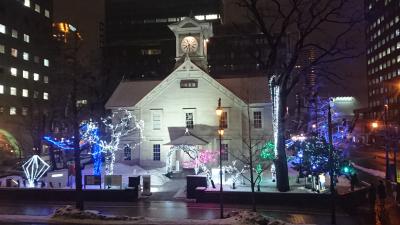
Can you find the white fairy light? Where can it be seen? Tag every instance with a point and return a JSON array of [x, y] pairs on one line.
[[34, 169]]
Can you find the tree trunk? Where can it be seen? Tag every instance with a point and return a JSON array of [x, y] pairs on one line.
[[252, 182], [282, 176], [77, 149], [52, 158]]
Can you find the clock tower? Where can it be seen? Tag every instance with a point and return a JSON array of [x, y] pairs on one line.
[[191, 40]]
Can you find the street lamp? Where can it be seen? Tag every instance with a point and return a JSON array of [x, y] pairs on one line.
[[220, 133], [374, 125]]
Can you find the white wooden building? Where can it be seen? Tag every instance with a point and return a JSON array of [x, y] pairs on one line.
[[186, 100]]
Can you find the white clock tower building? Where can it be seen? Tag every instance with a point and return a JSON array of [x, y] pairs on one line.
[[191, 40]]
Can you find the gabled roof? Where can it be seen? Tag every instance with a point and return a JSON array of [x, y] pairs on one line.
[[246, 89], [188, 139]]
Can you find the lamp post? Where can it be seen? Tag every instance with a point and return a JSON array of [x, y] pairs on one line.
[[220, 134], [386, 108], [331, 165]]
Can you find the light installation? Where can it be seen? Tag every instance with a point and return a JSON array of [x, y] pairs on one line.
[[34, 169], [275, 111], [119, 124]]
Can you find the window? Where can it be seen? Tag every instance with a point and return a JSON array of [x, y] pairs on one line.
[[127, 152], [27, 3], [37, 8], [14, 33], [46, 62], [45, 96], [36, 76], [35, 94], [13, 71], [24, 111], [225, 152], [2, 29], [2, 49], [14, 52], [224, 120], [25, 93], [156, 152], [189, 120], [46, 79], [13, 111], [257, 119], [36, 59], [47, 13], [156, 118], [26, 38], [13, 91], [25, 74], [1, 89], [25, 56], [189, 83]]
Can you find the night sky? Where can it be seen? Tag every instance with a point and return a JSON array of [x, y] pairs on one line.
[[86, 16]]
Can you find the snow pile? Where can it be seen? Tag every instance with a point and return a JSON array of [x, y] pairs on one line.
[[252, 218], [69, 212], [75, 216], [372, 172]]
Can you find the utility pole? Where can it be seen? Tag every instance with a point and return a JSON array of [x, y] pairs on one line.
[[386, 106], [331, 165]]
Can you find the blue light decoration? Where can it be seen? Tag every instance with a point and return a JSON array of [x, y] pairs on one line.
[[90, 135]]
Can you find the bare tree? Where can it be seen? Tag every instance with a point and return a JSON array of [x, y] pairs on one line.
[[324, 25]]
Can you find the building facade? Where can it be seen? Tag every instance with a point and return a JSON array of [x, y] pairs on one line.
[[183, 106], [383, 59], [25, 70]]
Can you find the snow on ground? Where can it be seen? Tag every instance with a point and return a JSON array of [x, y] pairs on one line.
[[372, 172], [71, 215]]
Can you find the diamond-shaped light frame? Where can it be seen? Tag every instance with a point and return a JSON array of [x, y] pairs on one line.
[[34, 169]]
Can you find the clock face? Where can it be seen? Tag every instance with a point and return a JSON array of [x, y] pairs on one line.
[[189, 44]]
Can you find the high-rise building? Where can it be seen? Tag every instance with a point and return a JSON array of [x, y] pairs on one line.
[[25, 69], [138, 43], [383, 58]]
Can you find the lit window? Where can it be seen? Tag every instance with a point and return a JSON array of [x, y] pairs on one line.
[[13, 91], [200, 17], [27, 3], [25, 74], [13, 71], [45, 95], [14, 52], [37, 8], [25, 56], [24, 111], [257, 117], [47, 13], [13, 111], [36, 76], [46, 62], [14, 33], [2, 28], [2, 49], [1, 89], [36, 59], [156, 152], [212, 17], [25, 93], [26, 38], [46, 79]]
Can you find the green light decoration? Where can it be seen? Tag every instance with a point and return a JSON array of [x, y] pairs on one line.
[[10, 139], [267, 151]]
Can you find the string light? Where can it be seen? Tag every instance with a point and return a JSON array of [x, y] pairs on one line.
[[34, 169]]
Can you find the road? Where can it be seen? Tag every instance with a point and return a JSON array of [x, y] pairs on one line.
[[179, 210]]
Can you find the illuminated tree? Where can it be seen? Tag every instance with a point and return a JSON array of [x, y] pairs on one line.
[[120, 124], [299, 21]]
